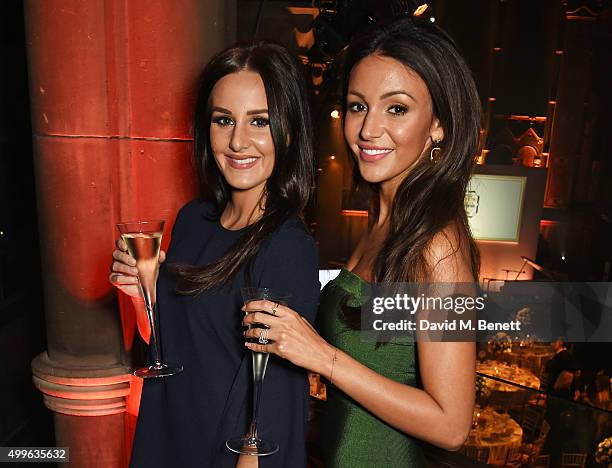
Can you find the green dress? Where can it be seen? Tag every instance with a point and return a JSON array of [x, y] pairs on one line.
[[352, 437]]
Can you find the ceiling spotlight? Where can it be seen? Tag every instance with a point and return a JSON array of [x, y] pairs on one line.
[[335, 114], [420, 9], [332, 157], [432, 19]]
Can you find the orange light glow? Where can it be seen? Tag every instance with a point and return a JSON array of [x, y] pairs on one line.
[[548, 223], [359, 213], [420, 9]]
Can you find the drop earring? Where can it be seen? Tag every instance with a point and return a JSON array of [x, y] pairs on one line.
[[435, 151]]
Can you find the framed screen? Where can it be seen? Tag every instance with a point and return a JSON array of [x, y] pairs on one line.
[[494, 205]]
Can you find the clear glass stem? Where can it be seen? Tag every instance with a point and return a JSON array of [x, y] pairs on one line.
[[260, 362], [150, 306]]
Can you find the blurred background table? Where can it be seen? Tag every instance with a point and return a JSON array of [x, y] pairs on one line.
[[510, 372], [492, 436], [533, 356]]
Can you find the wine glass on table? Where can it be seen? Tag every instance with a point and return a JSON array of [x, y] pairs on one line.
[[251, 443], [143, 239]]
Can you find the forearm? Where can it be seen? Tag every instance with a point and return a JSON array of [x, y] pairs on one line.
[[409, 409], [440, 413]]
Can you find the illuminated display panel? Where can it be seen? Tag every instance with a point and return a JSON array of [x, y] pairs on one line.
[[494, 205]]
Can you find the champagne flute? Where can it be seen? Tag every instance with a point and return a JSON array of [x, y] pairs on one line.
[[251, 444], [143, 239]]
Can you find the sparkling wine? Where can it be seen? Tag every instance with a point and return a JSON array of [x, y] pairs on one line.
[[144, 247], [143, 239], [260, 360]]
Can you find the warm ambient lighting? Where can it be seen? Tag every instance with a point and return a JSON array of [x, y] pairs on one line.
[[361, 213], [420, 9], [332, 157], [482, 157], [335, 114]]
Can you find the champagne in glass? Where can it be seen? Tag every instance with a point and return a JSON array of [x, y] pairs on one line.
[[251, 444], [143, 239]]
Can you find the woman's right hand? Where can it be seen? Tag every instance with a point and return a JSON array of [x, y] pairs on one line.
[[124, 275]]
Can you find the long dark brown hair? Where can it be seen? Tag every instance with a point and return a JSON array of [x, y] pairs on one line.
[[431, 197], [289, 187]]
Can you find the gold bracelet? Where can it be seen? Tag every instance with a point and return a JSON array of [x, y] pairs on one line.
[[331, 374]]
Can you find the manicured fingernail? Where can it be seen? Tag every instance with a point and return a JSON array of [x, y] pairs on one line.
[[247, 344]]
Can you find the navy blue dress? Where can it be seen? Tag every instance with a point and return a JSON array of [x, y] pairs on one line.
[[185, 419]]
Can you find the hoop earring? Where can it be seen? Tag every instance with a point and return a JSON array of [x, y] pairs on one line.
[[435, 151]]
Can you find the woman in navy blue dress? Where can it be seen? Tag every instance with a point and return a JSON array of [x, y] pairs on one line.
[[253, 146]]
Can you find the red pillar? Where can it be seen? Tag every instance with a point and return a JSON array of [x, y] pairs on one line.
[[112, 86]]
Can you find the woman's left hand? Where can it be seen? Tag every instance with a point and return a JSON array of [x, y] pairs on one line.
[[289, 334]]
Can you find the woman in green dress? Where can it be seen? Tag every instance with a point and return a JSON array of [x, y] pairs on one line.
[[411, 120]]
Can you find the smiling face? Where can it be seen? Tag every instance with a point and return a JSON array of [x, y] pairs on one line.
[[240, 136], [389, 120]]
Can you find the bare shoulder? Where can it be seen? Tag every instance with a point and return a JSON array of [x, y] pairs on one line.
[[448, 254]]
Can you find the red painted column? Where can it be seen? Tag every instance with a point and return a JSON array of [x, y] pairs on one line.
[[112, 86]]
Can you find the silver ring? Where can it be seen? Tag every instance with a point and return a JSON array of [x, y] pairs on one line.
[[263, 336], [274, 308]]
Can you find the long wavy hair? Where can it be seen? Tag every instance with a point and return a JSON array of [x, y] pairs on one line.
[[431, 197], [289, 187]]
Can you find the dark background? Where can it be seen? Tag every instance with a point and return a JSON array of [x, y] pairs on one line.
[[523, 82], [24, 421]]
